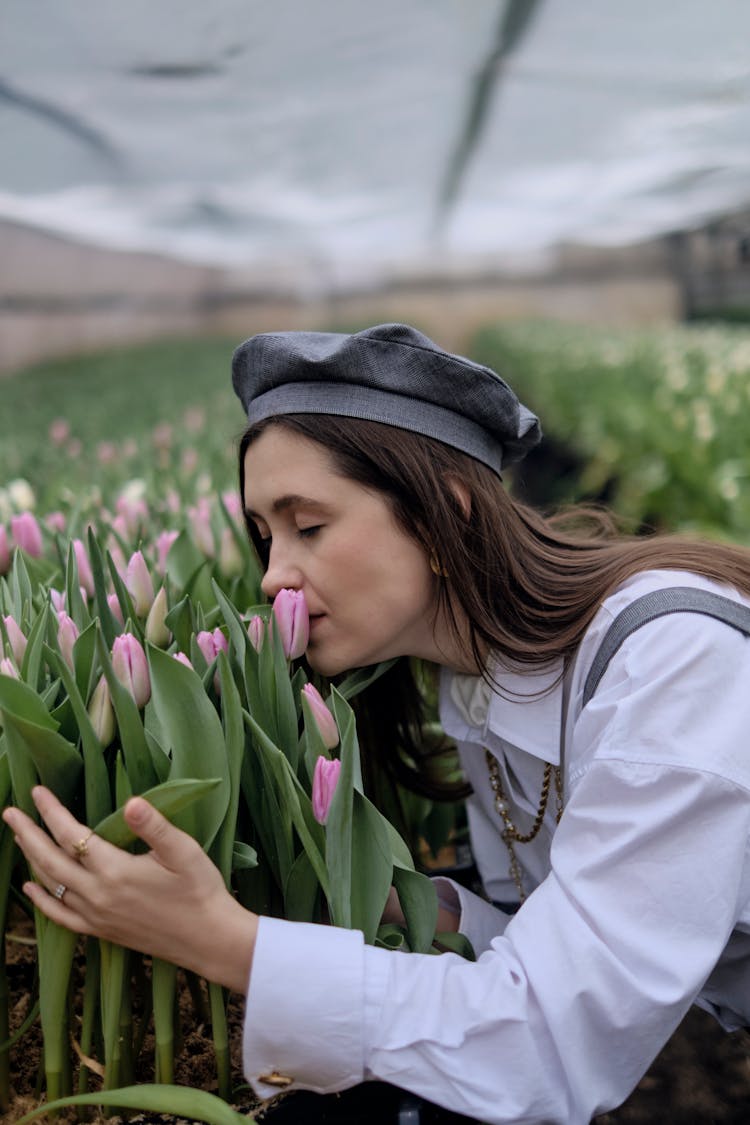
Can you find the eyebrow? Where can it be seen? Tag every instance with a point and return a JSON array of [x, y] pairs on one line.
[[292, 500]]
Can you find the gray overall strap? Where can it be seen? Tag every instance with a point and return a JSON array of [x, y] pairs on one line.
[[673, 599]]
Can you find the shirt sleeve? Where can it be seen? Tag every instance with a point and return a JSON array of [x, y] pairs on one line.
[[478, 919]]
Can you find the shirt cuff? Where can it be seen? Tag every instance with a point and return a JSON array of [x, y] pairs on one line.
[[478, 920], [305, 1009]]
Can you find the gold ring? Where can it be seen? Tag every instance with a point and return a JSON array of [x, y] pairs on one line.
[[80, 850], [59, 891]]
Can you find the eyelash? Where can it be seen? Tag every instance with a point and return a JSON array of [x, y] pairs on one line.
[[308, 532]]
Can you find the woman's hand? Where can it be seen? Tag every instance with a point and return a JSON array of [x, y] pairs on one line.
[[170, 902]]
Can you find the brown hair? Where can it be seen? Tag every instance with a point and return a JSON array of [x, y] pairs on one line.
[[529, 585]]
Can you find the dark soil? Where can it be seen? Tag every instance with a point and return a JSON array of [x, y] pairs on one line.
[[702, 1077]]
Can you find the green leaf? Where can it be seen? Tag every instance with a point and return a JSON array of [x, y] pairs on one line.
[[111, 627], [243, 856], [96, 777], [361, 678], [182, 1101], [180, 622], [57, 762], [456, 943], [372, 868], [418, 899], [169, 799], [301, 890], [194, 737]]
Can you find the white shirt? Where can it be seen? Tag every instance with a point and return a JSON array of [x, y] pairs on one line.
[[640, 903]]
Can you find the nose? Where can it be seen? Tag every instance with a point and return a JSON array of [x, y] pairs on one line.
[[282, 573]]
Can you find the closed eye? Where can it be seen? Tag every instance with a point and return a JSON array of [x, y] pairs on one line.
[[308, 532]]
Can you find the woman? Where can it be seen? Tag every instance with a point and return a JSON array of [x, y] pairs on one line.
[[370, 475]]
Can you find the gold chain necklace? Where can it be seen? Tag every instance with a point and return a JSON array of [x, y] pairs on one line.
[[510, 834]]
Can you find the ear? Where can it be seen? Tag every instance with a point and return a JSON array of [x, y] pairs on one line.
[[462, 495]]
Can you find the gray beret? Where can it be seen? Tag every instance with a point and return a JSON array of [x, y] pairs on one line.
[[391, 374]]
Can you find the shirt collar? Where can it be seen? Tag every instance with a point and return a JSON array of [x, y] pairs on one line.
[[523, 708]]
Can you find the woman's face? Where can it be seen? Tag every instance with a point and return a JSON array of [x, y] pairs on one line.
[[369, 588]]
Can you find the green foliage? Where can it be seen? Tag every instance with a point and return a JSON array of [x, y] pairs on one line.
[[654, 420]]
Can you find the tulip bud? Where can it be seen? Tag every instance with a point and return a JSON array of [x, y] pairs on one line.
[[156, 630], [182, 659], [256, 631], [139, 584], [211, 644], [16, 639], [58, 599], [131, 668], [27, 533], [4, 551], [230, 556], [233, 504], [67, 635], [164, 542], [290, 611], [324, 720], [85, 572], [200, 526], [115, 608], [55, 521], [325, 780], [7, 668], [101, 713]]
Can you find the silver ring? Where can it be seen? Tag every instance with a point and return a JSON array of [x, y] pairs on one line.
[[59, 891]]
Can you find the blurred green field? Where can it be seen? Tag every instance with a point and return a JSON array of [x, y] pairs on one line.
[[158, 412], [653, 421]]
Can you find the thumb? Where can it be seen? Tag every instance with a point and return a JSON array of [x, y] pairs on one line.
[[170, 846]]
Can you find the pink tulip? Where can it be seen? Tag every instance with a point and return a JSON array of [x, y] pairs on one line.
[[290, 611], [67, 635], [133, 511], [118, 559], [324, 720], [55, 521], [256, 631], [4, 551], [58, 599], [27, 533], [59, 431], [325, 780], [139, 584], [101, 713], [131, 668], [182, 659], [114, 608], [85, 573], [200, 527], [164, 541], [7, 668], [16, 639], [211, 644], [233, 504]]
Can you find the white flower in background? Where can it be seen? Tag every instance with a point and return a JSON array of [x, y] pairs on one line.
[[21, 495], [704, 423], [134, 490]]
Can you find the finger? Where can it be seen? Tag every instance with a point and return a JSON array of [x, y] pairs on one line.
[[48, 861], [59, 910], [62, 824], [173, 848]]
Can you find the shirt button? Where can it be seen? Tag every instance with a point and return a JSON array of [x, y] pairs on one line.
[[275, 1079]]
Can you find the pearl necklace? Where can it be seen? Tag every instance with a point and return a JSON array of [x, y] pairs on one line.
[[510, 834]]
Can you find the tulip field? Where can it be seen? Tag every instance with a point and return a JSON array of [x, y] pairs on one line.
[[139, 657]]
